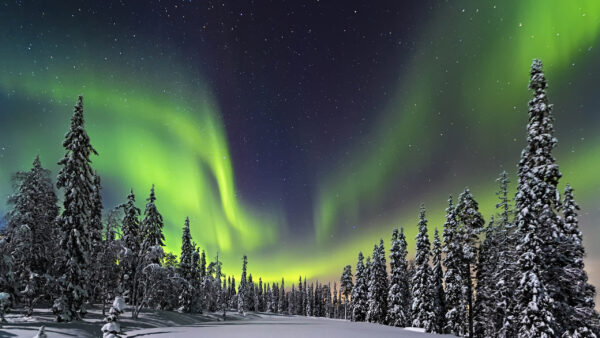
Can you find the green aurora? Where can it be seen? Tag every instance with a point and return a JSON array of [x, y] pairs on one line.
[[468, 71]]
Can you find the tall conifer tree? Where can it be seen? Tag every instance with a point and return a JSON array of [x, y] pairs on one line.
[[437, 286], [537, 201], [471, 224], [76, 178], [359, 292], [422, 305], [153, 222], [378, 286], [398, 295]]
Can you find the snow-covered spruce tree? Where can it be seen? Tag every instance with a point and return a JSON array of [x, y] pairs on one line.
[[153, 222], [484, 306], [335, 301], [261, 296], [108, 270], [399, 293], [30, 234], [346, 287], [76, 179], [281, 305], [359, 292], [202, 286], [301, 305], [132, 241], [242, 289], [327, 300], [471, 224], [186, 268], [437, 286], [187, 251], [305, 298], [249, 301], [579, 319], [203, 264], [309, 301], [422, 305], [268, 299], [504, 273], [537, 201], [96, 243]]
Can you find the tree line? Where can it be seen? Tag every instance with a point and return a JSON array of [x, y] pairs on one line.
[[82, 255], [521, 275]]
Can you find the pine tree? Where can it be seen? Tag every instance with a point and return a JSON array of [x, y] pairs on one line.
[[186, 269], [398, 295], [505, 271], [453, 277], [281, 305], [30, 232], [108, 270], [132, 259], [153, 222], [359, 292], [250, 294], [346, 286], [242, 290], [378, 287], [471, 225], [76, 179], [576, 297], [96, 237], [261, 296], [484, 307], [187, 251], [537, 200], [437, 286], [202, 264], [422, 306], [301, 305]]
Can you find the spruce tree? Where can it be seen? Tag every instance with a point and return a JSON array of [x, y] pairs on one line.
[[578, 316], [131, 224], [422, 305], [453, 277], [398, 295], [484, 307], [378, 286], [437, 286], [31, 234], [76, 178], [242, 289], [281, 305], [471, 224], [346, 286], [96, 244], [203, 264], [186, 269], [359, 292], [187, 251], [153, 222], [505, 271], [132, 241], [537, 201]]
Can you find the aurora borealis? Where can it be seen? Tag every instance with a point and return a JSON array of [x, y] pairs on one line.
[[300, 132]]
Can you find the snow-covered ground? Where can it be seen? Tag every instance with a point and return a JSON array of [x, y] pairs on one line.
[[163, 324]]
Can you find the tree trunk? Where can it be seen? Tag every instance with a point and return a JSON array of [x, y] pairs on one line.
[[470, 301]]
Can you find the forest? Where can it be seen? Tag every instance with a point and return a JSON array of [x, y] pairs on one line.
[[520, 274]]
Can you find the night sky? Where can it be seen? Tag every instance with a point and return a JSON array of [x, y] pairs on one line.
[[300, 132]]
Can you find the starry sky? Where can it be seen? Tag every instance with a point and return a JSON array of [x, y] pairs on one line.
[[300, 132]]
